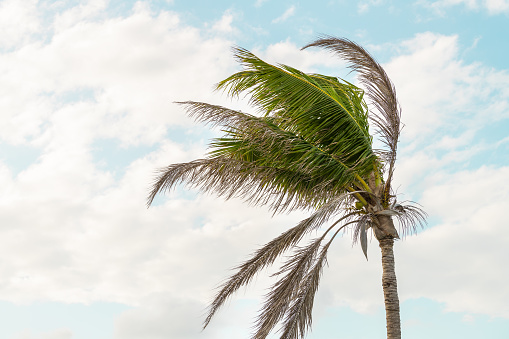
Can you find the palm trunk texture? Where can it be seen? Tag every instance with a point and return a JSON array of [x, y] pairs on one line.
[[390, 287], [389, 284]]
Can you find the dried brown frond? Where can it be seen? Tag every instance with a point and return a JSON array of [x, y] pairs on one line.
[[363, 223], [299, 316], [266, 255], [410, 217], [262, 258], [365, 218], [215, 115], [281, 295], [235, 178]]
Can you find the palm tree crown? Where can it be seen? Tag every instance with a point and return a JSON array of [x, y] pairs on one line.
[[310, 148]]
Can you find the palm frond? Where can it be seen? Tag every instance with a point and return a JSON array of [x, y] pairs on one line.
[[269, 134], [380, 91], [299, 316], [273, 147], [360, 232], [410, 216], [262, 163], [281, 295], [266, 255], [277, 187], [322, 112]]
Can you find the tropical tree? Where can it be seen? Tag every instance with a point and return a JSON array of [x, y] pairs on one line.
[[310, 148]]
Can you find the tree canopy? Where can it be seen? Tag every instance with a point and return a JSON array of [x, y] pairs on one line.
[[309, 147]]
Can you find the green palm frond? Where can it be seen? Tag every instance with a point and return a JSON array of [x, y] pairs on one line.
[[277, 148], [319, 109], [379, 89], [265, 164]]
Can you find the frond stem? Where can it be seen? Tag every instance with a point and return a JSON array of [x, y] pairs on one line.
[[357, 195], [339, 220], [363, 183]]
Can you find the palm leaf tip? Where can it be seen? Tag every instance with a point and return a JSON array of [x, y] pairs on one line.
[[170, 176]]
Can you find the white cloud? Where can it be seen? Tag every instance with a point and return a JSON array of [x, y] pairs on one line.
[[161, 318], [88, 238], [492, 6], [446, 105], [288, 13], [497, 6], [12, 13], [86, 10], [58, 334], [455, 261], [438, 91], [225, 23], [309, 60], [468, 318], [259, 3], [167, 316], [364, 6], [97, 78], [131, 68]]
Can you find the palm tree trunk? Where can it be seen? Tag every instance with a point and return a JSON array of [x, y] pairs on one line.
[[390, 288]]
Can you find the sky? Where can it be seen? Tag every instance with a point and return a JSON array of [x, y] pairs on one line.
[[87, 117]]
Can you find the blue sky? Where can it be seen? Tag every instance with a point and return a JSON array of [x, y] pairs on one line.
[[87, 116]]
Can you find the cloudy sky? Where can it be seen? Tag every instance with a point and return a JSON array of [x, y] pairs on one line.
[[87, 116]]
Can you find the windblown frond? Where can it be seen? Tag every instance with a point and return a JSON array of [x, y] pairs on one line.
[[299, 316], [262, 163], [280, 297], [266, 255], [277, 187], [319, 109], [380, 91], [285, 290]]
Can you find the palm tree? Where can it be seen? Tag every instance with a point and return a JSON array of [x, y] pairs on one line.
[[309, 149]]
